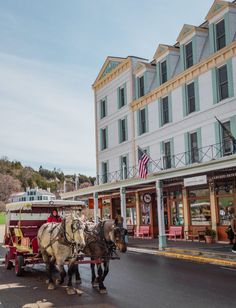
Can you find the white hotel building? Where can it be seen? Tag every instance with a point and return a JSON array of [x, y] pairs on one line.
[[168, 108]]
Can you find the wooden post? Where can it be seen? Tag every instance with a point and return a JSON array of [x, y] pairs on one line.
[[213, 210], [137, 210], [95, 207], [160, 209], [186, 211]]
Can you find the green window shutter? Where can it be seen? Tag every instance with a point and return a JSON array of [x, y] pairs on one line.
[[126, 128], [119, 131], [184, 98], [227, 29], [107, 137], [136, 88], [145, 83], [125, 92], [194, 45], [199, 143], [162, 153], [196, 90], [158, 68], [217, 138], [138, 122], [182, 59], [106, 106], [212, 38], [170, 107], [100, 108], [118, 98], [168, 67], [172, 151], [146, 119], [230, 77], [233, 125], [101, 140], [159, 102], [215, 86], [186, 144]]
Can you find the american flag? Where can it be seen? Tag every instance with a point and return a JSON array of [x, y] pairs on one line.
[[143, 159]]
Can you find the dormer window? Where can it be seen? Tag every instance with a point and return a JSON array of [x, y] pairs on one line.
[[163, 72], [141, 90], [220, 35], [189, 55]]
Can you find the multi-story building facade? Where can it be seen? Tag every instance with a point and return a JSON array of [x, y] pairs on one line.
[[33, 194], [180, 108]]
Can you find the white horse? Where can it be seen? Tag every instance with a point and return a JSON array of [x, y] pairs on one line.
[[58, 243]]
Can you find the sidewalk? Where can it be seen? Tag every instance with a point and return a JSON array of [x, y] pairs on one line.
[[217, 253]]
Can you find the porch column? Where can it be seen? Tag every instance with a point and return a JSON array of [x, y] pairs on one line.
[[137, 210], [95, 207], [123, 205], [213, 210], [160, 210], [186, 211]]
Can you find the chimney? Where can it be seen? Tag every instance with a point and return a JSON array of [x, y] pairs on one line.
[[49, 189], [27, 188]]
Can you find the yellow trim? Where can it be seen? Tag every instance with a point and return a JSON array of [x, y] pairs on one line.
[[189, 29], [120, 68], [217, 7], [214, 60], [162, 49]]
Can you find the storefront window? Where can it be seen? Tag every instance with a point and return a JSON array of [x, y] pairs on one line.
[[200, 212], [131, 218], [145, 214], [177, 217], [106, 212], [225, 209]]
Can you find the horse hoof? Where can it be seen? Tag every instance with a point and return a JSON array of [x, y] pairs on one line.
[[103, 291], [51, 286], [58, 281], [79, 292], [71, 291], [95, 284]]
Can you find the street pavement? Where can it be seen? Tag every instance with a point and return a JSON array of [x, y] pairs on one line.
[[137, 280]]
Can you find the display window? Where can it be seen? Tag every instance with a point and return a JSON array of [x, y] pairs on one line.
[[199, 205]]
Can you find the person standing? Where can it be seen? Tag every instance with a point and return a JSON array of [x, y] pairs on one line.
[[233, 226]]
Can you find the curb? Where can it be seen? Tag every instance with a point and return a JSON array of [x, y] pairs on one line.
[[187, 257]]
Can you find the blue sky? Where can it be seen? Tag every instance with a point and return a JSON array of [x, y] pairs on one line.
[[51, 52]]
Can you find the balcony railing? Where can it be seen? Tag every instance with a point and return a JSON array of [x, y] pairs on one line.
[[196, 155]]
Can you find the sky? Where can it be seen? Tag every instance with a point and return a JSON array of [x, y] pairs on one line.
[[51, 51]]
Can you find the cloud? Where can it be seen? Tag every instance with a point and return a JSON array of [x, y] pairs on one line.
[[47, 114]]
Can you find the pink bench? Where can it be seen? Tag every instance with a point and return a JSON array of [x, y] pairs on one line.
[[143, 231], [174, 232]]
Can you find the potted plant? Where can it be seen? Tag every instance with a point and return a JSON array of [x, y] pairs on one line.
[[210, 235]]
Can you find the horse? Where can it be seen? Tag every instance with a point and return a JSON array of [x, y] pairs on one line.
[[101, 240], [59, 242]]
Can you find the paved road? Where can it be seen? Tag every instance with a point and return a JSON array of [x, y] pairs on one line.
[[137, 280]]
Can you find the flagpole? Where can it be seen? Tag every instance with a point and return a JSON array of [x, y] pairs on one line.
[[156, 165]]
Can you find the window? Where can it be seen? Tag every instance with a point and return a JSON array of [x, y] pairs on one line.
[[103, 109], [45, 197], [220, 35], [31, 198], [189, 55], [142, 116], [124, 167], [121, 97], [141, 91], [177, 215], [194, 155], [163, 72], [167, 155], [200, 209], [40, 198], [191, 97], [165, 110], [103, 138], [223, 82], [104, 172], [123, 130], [226, 140]]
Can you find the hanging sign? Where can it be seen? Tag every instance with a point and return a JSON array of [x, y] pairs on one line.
[[197, 180]]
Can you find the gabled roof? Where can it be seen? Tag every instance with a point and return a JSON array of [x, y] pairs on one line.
[[217, 7], [162, 48], [109, 64], [142, 65], [188, 29]]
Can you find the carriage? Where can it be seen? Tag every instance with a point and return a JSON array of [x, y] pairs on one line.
[[23, 220]]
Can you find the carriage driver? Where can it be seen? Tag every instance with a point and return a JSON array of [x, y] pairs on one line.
[[54, 217]]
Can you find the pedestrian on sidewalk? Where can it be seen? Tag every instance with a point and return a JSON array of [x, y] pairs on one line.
[[233, 226]]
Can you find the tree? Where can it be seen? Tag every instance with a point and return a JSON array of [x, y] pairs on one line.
[[8, 186]]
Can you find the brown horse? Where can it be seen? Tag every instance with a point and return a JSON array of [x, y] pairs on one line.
[[101, 241], [58, 243]]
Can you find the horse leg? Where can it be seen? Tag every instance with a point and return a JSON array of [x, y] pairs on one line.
[[62, 274], [71, 270], [77, 275], [102, 288], [94, 281], [106, 270], [49, 268]]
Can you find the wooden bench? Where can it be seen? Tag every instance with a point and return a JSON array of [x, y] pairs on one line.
[[174, 232], [198, 233], [143, 231]]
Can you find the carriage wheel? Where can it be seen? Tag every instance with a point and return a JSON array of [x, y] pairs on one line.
[[19, 263], [8, 263]]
